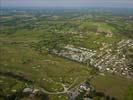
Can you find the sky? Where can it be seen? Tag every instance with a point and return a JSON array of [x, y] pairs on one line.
[[66, 3]]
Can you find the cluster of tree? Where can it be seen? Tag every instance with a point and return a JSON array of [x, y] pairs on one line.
[[19, 94], [123, 29], [52, 41], [20, 77], [95, 95]]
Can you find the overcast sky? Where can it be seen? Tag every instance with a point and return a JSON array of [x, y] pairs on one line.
[[67, 3]]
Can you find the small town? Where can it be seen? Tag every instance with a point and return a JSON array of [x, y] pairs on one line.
[[103, 59]]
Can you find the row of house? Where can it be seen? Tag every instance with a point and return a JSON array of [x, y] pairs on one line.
[[105, 59]]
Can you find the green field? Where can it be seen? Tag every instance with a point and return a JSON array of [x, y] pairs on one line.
[[48, 71], [114, 85]]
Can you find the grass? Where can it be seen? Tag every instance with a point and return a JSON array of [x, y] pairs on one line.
[[129, 94], [114, 86], [41, 67]]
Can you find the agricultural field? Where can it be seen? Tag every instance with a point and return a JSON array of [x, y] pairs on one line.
[[50, 54]]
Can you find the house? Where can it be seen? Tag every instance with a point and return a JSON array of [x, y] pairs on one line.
[[27, 90]]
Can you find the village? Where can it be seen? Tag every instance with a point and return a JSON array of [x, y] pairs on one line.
[[106, 59]]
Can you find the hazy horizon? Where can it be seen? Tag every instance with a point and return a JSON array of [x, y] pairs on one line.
[[67, 3]]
